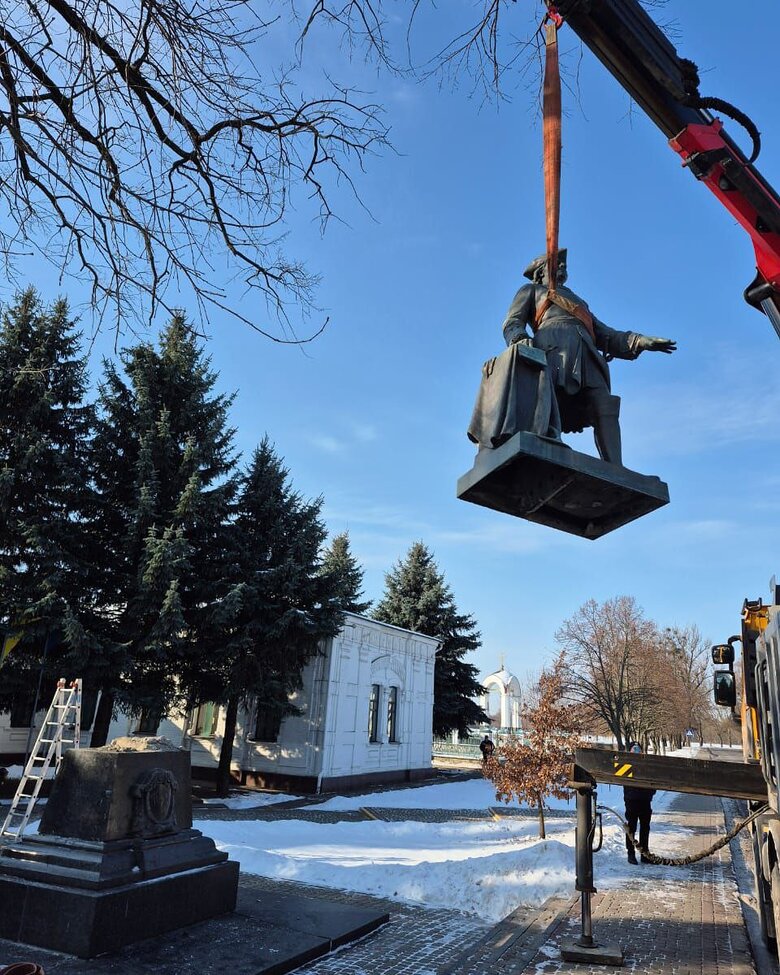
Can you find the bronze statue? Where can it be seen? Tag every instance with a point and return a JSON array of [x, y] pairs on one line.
[[578, 347]]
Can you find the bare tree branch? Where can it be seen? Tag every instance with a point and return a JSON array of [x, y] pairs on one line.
[[142, 150]]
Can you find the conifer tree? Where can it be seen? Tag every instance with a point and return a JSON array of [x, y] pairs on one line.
[[417, 598], [45, 427], [274, 604], [165, 474], [339, 561]]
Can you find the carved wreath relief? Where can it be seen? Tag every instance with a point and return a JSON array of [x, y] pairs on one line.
[[154, 803]]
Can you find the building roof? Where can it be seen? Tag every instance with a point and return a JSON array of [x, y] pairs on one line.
[[502, 675]]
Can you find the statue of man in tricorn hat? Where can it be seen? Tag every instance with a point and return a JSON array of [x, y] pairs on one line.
[[578, 347]]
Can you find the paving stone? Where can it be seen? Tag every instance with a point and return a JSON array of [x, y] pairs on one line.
[[416, 941], [668, 920]]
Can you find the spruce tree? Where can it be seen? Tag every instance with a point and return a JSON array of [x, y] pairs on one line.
[[165, 474], [275, 605], [339, 562], [417, 598], [44, 494]]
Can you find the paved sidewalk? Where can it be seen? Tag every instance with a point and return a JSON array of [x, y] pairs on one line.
[[668, 920], [387, 814], [415, 941]]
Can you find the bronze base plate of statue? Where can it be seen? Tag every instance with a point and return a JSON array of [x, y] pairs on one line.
[[553, 378], [545, 481]]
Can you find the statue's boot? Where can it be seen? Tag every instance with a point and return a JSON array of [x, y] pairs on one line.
[[606, 426]]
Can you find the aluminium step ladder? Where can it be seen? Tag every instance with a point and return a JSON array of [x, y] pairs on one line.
[[61, 729]]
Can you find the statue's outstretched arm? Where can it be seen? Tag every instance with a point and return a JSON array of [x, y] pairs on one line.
[[629, 345]]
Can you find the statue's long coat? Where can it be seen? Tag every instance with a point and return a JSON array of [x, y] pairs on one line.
[[575, 361]]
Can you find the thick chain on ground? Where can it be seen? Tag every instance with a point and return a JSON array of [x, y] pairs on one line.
[[693, 857]]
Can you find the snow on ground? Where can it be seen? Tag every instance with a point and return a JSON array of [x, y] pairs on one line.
[[487, 868], [687, 751], [251, 800], [468, 794], [15, 771]]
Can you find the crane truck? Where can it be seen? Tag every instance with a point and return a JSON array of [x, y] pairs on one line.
[[666, 87], [759, 712]]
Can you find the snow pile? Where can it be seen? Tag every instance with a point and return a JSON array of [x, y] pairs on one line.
[[486, 868], [147, 743]]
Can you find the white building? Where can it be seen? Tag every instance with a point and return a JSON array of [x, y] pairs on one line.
[[367, 717], [502, 701]]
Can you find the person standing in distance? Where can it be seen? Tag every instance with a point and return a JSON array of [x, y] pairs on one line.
[[487, 748], [639, 810]]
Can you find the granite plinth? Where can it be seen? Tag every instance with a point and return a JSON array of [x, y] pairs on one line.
[[546, 482], [93, 798], [269, 933], [89, 923], [99, 866], [115, 860]]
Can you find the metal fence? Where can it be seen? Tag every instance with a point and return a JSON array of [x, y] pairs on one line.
[[462, 749], [469, 748]]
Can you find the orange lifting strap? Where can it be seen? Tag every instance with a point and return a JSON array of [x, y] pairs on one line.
[[552, 130], [552, 149]]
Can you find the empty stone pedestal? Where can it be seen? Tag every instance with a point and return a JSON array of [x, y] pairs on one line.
[[116, 859]]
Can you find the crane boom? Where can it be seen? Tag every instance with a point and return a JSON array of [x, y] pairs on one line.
[[639, 55]]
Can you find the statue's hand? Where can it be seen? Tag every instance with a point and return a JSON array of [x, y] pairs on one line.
[[649, 343]]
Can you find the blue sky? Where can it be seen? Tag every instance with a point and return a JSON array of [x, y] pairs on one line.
[[373, 414]]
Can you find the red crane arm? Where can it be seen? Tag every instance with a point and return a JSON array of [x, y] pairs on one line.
[[635, 50]]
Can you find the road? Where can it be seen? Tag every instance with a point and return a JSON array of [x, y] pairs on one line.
[[720, 754]]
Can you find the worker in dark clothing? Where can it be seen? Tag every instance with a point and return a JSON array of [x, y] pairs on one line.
[[487, 748], [639, 810]]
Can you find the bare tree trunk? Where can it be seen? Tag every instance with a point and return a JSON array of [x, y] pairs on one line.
[[222, 787], [542, 834], [102, 722]]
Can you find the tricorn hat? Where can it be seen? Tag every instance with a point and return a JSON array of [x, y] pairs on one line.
[[538, 262]]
